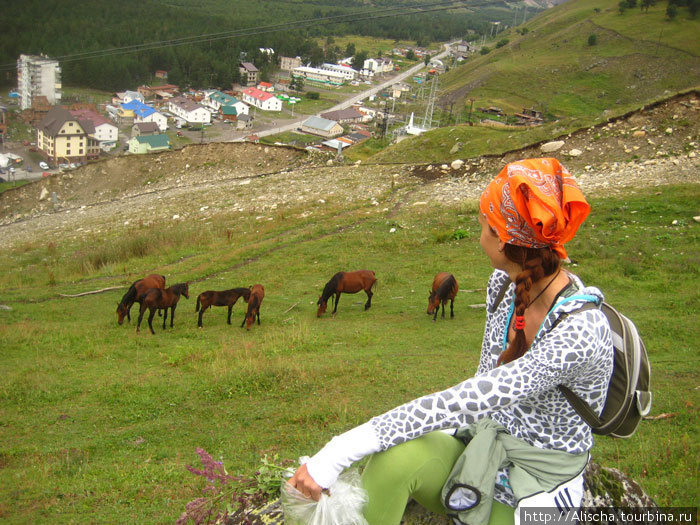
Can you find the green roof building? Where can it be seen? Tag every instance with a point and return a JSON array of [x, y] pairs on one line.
[[149, 144]]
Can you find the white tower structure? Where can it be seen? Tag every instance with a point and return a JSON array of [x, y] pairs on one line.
[[428, 117], [38, 76]]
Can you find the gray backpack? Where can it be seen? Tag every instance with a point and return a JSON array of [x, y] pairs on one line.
[[629, 393]]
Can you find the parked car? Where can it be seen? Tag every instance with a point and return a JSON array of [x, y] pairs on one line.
[[43, 165]]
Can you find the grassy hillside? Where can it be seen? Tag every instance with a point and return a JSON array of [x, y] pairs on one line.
[[98, 423], [638, 58]]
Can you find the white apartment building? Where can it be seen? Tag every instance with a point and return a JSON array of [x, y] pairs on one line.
[[106, 133], [261, 99], [348, 72], [189, 110], [38, 76], [322, 76]]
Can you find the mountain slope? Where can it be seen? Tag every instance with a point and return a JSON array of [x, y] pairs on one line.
[[637, 58]]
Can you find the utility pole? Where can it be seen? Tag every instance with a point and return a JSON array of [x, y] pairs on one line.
[[385, 124], [428, 118], [471, 106]]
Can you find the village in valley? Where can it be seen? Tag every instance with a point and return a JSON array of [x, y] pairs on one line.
[[329, 107]]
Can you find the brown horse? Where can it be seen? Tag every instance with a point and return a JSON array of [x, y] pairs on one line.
[[346, 282], [137, 289], [225, 298], [445, 289], [257, 293], [157, 299]]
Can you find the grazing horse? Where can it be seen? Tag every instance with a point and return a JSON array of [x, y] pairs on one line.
[[257, 292], [346, 282], [445, 288], [225, 298], [137, 289], [157, 299]]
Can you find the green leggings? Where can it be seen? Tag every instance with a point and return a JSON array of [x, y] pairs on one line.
[[415, 470]]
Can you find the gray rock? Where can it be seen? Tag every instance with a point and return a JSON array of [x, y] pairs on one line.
[[549, 147]]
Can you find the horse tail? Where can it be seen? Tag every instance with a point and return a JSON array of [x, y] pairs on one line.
[[373, 288], [196, 308]]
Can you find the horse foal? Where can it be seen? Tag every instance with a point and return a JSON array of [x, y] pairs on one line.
[[224, 298], [156, 299], [445, 289], [257, 293]]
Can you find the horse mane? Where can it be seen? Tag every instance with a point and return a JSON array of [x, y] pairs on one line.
[[178, 288], [245, 292], [446, 287], [130, 295], [331, 286]]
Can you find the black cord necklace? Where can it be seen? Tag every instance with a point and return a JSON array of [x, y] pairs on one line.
[[543, 289]]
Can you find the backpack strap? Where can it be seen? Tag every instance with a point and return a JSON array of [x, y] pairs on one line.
[[581, 407], [500, 295]]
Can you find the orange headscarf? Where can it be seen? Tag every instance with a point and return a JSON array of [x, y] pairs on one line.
[[534, 203]]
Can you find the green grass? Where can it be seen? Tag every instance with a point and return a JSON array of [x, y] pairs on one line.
[[290, 137], [98, 421], [4, 186]]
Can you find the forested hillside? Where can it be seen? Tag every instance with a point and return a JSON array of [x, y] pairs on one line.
[[58, 29]]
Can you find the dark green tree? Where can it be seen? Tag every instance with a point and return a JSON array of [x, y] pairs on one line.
[[592, 39], [358, 60]]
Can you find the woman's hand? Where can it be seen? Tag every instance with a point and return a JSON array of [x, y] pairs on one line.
[[304, 483]]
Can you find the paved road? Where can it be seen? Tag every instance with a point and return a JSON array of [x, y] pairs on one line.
[[352, 100]]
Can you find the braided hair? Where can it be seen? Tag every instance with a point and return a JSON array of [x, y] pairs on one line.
[[536, 264]]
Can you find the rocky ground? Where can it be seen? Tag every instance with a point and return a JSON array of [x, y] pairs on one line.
[[654, 146]]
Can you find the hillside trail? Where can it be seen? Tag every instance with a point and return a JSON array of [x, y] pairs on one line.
[[655, 146]]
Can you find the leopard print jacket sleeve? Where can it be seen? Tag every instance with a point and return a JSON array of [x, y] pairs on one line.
[[521, 395]]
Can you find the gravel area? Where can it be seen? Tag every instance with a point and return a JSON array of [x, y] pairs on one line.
[[652, 147]]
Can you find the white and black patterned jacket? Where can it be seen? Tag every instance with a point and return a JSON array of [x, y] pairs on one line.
[[521, 395]]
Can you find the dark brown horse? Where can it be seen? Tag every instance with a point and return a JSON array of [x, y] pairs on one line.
[[257, 293], [137, 289], [157, 299], [225, 298], [346, 282], [445, 289]]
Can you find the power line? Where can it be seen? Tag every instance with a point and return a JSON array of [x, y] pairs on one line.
[[442, 5]]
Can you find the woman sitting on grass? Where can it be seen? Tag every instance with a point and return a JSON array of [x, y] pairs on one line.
[[505, 438]]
